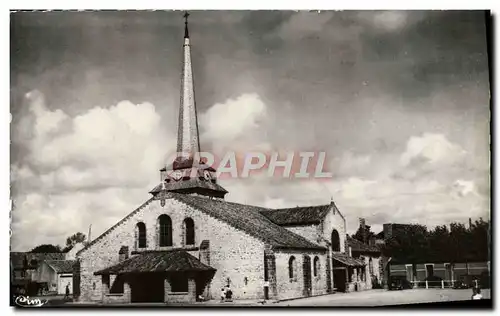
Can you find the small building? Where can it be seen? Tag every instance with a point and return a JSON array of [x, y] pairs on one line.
[[57, 274], [24, 266], [438, 274], [370, 255]]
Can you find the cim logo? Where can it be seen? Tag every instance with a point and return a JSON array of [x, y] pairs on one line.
[[25, 301]]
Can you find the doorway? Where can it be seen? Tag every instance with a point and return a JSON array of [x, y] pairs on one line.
[[307, 276], [429, 268], [339, 279], [147, 288]]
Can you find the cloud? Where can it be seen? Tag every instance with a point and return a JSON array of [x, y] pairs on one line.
[[97, 164], [237, 124]]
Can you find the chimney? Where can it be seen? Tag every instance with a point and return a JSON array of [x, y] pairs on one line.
[[387, 231], [362, 226], [350, 251], [123, 253], [470, 223]]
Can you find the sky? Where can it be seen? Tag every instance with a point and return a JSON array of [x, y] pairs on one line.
[[398, 100]]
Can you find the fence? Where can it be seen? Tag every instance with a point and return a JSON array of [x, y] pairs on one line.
[[438, 284]]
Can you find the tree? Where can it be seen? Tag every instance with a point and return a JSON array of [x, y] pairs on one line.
[[409, 243], [359, 234], [74, 239], [479, 234], [439, 244], [46, 248]]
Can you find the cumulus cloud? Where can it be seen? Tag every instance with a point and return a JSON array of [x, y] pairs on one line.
[[83, 168], [237, 124]]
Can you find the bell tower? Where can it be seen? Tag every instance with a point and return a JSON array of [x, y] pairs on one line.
[[185, 174]]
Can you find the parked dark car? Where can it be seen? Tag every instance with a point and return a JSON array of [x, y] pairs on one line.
[[467, 281], [398, 283]]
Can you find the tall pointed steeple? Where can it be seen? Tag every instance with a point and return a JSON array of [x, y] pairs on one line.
[[185, 174], [188, 136]]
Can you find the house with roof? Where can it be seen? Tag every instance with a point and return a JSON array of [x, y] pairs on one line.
[[187, 241], [369, 273], [57, 274], [24, 266]]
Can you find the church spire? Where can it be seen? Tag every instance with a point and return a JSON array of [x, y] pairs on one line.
[[188, 136], [186, 175], [186, 32]]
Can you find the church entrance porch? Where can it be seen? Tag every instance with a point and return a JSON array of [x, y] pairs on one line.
[[346, 273], [156, 276]]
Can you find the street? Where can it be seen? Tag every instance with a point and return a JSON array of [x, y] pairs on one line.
[[384, 297]]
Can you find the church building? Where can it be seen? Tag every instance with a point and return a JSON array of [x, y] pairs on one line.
[[186, 240]]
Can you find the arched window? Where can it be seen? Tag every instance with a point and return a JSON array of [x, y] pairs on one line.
[[165, 232], [370, 266], [188, 231], [335, 240], [141, 235], [316, 266], [292, 262]]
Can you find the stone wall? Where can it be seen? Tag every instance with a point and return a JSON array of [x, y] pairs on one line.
[[287, 288], [233, 253], [333, 220]]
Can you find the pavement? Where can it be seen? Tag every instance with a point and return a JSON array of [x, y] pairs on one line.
[[379, 297], [384, 297]]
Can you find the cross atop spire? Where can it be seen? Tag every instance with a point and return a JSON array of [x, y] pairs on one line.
[[186, 32]]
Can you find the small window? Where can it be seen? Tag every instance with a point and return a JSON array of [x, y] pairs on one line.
[[335, 241], [141, 235], [316, 266], [292, 268], [189, 231], [165, 231]]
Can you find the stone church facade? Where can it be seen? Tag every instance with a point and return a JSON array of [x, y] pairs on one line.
[[187, 241]]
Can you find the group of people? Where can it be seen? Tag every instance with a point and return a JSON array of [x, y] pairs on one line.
[[226, 295]]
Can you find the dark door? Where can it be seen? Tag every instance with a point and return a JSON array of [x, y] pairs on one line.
[[339, 279], [430, 270], [307, 276], [147, 288]]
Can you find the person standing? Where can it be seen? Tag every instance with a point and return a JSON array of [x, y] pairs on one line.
[[476, 294], [67, 292]]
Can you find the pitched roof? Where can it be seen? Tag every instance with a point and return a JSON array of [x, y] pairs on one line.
[[123, 220], [346, 260], [297, 215], [157, 261], [187, 185], [17, 258], [61, 266], [358, 246], [249, 219]]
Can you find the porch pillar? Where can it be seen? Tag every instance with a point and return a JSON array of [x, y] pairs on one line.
[[127, 292], [105, 286], [346, 279], [168, 289], [192, 289]]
